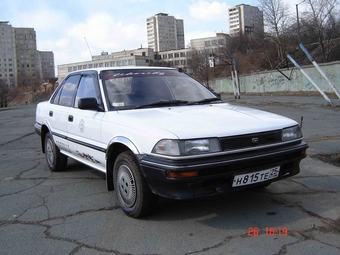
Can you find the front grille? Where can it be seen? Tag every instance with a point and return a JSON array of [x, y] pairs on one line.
[[251, 140]]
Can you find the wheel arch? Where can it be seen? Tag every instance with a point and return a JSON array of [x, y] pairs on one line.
[[117, 146], [44, 131]]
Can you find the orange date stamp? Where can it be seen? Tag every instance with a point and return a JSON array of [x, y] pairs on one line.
[[268, 231]]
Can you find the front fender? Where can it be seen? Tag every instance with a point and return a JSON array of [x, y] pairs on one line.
[[115, 147], [125, 141]]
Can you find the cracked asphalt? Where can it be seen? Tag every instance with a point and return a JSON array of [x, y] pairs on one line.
[[71, 212]]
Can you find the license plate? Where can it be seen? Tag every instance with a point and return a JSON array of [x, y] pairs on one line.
[[256, 177]]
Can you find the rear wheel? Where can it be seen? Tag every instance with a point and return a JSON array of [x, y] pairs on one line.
[[132, 191], [56, 161]]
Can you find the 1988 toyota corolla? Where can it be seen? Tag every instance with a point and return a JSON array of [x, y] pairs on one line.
[[158, 132]]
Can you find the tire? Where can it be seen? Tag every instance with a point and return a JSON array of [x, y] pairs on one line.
[[133, 193], [56, 161]]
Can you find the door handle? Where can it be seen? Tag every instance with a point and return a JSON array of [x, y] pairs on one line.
[[70, 118], [50, 113]]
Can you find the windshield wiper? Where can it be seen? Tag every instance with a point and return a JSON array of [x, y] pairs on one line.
[[206, 100], [162, 103]]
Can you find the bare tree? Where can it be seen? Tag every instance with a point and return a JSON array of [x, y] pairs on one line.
[[3, 94], [198, 64], [323, 21], [6, 94], [276, 16]]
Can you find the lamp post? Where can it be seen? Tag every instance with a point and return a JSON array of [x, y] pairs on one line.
[[297, 18]]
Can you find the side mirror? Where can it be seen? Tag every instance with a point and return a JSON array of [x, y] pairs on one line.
[[88, 103]]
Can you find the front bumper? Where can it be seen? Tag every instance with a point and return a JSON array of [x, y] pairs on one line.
[[216, 173], [37, 128]]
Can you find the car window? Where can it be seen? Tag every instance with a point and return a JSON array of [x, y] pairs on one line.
[[56, 96], [88, 87], [127, 89], [66, 92]]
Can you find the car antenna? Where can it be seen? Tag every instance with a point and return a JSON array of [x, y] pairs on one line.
[[88, 47]]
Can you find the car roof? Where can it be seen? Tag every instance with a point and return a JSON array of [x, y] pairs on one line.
[[123, 68]]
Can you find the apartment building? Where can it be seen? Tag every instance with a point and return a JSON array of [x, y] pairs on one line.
[[20, 62], [26, 56], [46, 64], [7, 55], [178, 58], [213, 42], [165, 32], [245, 19]]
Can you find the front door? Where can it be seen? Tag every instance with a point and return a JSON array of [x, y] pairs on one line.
[[84, 126]]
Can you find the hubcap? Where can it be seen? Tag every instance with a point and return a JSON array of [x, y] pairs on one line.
[[49, 151], [126, 186]]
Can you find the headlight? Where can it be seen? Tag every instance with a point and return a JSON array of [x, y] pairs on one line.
[[187, 147], [291, 133], [167, 147], [194, 147]]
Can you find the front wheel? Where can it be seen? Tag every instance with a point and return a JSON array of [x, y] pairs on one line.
[[132, 191], [56, 161]]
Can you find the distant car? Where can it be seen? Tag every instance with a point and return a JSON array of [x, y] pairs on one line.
[[158, 132]]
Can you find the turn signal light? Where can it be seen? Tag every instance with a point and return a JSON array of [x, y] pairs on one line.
[[182, 174]]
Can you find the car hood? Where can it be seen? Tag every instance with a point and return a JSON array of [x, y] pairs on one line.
[[212, 120]]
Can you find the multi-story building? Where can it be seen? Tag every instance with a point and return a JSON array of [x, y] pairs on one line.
[[46, 65], [211, 45], [7, 55], [20, 62], [245, 20], [26, 57], [165, 32], [138, 57]]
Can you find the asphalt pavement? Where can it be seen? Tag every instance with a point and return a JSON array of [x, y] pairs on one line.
[[70, 212]]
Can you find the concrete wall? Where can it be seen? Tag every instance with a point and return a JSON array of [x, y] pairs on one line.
[[274, 81]]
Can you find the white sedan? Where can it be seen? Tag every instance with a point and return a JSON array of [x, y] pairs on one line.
[[158, 132]]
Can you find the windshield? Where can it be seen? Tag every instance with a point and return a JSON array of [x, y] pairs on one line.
[[129, 89]]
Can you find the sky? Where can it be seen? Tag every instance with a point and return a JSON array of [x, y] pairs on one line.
[[76, 29]]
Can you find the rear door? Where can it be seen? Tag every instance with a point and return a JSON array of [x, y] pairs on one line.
[[58, 111]]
